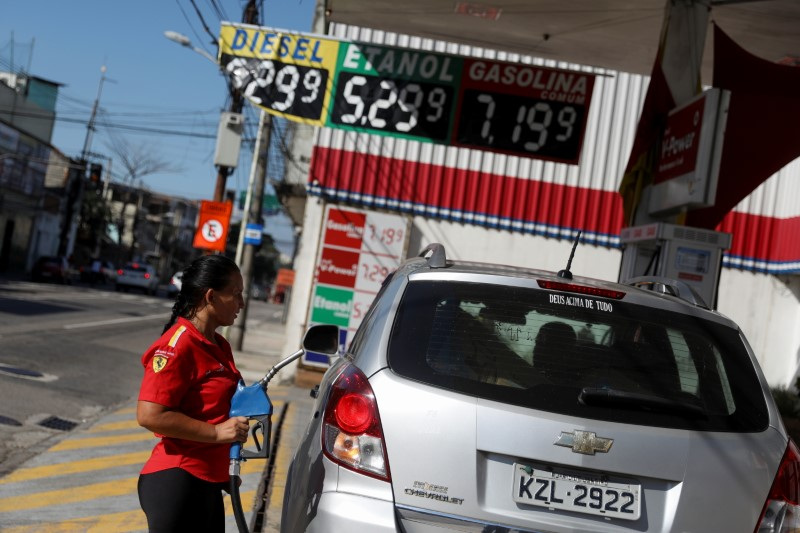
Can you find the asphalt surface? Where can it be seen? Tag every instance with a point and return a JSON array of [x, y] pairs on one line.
[[87, 481]]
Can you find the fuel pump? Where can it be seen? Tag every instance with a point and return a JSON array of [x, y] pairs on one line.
[[253, 402], [683, 253]]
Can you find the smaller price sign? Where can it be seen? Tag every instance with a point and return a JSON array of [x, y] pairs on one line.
[[359, 250]]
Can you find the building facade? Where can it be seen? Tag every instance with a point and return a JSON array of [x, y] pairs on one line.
[[499, 208]]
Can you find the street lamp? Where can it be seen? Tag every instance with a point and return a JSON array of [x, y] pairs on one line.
[[223, 168], [183, 40]]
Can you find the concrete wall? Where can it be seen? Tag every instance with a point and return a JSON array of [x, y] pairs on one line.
[[767, 308]]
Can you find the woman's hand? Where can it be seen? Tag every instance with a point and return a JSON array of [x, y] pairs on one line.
[[169, 423], [233, 430]]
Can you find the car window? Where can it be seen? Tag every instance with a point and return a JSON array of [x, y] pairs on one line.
[[576, 355]]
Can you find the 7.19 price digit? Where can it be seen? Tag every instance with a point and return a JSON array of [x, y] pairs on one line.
[[521, 125]]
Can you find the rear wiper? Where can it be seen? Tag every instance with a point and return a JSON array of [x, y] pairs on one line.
[[632, 400]]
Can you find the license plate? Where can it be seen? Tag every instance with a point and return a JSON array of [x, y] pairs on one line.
[[579, 492]]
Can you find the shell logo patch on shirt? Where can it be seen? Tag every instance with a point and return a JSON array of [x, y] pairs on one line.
[[159, 362]]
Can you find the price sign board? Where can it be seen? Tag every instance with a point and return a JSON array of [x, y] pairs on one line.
[[287, 74], [397, 92], [523, 109], [359, 249], [512, 108]]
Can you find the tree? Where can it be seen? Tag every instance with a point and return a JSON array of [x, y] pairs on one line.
[[94, 221], [137, 161]]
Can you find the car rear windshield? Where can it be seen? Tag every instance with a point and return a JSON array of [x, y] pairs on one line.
[[577, 355], [135, 267]]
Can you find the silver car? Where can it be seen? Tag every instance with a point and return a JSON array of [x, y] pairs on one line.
[[140, 276], [489, 398]]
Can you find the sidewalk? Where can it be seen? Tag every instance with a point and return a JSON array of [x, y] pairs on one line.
[[87, 481]]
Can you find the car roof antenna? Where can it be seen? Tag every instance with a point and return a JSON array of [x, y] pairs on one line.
[[566, 274]]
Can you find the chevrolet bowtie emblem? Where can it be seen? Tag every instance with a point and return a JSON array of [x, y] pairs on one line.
[[586, 442]]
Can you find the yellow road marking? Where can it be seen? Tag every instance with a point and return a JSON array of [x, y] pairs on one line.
[[281, 471], [73, 467], [247, 499], [96, 442], [106, 489], [115, 426], [116, 522]]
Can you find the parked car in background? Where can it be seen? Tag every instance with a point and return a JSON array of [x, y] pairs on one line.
[[477, 397], [259, 292], [51, 268], [174, 286], [141, 276], [103, 272]]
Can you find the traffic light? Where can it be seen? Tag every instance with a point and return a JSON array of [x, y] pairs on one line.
[[95, 173]]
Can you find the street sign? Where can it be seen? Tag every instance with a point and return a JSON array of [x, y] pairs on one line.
[[512, 108], [688, 163], [252, 234], [212, 225]]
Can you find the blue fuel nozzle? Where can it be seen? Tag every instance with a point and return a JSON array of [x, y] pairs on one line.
[[253, 403]]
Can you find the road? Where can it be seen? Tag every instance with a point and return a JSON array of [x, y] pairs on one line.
[[67, 355]]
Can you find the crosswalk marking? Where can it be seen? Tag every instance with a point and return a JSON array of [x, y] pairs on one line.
[[114, 426], [117, 522], [96, 442], [75, 467], [23, 502], [21, 494]]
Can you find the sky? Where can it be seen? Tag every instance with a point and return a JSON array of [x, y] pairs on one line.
[[157, 95]]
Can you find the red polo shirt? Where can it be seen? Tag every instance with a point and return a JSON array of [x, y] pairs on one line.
[[185, 372]]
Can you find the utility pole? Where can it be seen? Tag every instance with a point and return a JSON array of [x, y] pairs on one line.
[[250, 16], [252, 212], [75, 181]]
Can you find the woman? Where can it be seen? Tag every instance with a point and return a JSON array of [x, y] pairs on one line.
[[189, 379]]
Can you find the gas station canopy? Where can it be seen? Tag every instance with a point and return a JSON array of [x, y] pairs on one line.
[[620, 35]]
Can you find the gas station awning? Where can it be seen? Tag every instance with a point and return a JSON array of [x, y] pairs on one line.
[[615, 34]]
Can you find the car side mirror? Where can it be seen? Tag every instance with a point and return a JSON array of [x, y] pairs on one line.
[[322, 338]]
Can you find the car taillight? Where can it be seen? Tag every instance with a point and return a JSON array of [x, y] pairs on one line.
[[146, 275], [120, 272], [352, 435], [782, 510]]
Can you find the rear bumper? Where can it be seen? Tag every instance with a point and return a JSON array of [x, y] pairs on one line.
[[338, 511]]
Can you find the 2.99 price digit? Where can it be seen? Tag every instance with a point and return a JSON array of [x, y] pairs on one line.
[[292, 89]]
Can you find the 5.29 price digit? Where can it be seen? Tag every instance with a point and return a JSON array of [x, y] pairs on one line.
[[401, 106]]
